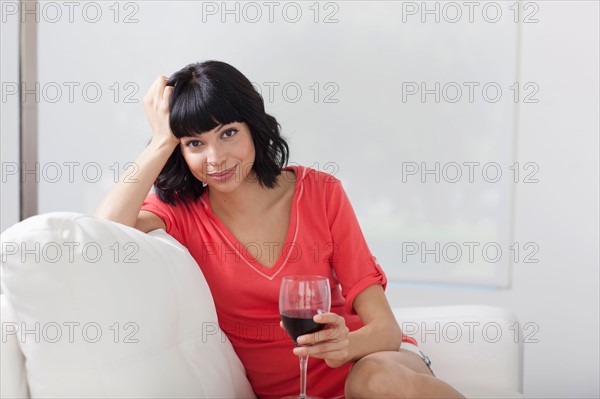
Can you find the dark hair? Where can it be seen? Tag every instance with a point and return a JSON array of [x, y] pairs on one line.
[[206, 95]]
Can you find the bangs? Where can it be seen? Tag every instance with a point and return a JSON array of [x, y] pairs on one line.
[[195, 109]]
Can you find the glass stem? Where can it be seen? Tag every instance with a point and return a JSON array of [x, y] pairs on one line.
[[303, 365]]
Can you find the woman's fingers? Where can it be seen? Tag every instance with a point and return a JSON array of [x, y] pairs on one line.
[[154, 92], [329, 318], [335, 354], [328, 350], [157, 92], [156, 103], [159, 89], [335, 329], [164, 104], [326, 334], [330, 344]]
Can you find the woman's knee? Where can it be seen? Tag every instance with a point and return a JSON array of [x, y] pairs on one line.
[[375, 376]]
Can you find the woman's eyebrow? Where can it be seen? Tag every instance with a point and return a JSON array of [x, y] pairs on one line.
[[222, 127]]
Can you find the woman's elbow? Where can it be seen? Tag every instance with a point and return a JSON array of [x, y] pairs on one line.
[[394, 334]]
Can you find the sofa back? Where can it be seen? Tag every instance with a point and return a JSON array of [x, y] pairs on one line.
[[99, 309]]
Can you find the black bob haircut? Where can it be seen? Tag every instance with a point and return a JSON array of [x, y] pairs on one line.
[[206, 95]]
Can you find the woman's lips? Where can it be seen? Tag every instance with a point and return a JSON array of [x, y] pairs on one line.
[[222, 176]]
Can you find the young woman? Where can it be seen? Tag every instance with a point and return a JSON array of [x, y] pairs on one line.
[[217, 162]]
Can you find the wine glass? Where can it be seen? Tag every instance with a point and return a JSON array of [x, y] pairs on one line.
[[300, 298]]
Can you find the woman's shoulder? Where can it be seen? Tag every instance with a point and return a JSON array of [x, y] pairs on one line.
[[311, 175], [178, 206]]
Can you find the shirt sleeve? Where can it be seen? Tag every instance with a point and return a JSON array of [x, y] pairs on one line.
[[354, 265], [166, 212]]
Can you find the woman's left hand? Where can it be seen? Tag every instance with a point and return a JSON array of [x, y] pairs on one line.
[[330, 344]]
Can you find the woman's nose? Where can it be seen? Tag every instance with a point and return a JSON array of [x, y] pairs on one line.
[[215, 156]]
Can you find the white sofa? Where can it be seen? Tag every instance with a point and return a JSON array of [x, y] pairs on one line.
[[92, 308]]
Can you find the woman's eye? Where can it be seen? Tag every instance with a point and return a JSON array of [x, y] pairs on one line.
[[193, 144], [230, 133]]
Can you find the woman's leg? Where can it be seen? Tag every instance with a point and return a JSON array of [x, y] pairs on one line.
[[395, 374]]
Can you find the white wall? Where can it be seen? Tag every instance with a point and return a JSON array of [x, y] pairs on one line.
[[561, 133]]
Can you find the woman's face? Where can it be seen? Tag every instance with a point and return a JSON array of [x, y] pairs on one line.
[[222, 157]]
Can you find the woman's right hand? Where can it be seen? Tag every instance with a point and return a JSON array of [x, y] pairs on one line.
[[156, 104], [123, 202]]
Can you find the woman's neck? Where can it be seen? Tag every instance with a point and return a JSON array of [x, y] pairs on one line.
[[249, 199]]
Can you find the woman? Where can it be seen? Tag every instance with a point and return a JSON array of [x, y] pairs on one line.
[[217, 162]]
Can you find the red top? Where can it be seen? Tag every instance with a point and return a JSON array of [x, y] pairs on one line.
[[246, 293]]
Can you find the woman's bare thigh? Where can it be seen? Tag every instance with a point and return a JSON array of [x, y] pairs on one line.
[[401, 357]]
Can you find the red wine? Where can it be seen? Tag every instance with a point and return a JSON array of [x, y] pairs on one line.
[[298, 322]]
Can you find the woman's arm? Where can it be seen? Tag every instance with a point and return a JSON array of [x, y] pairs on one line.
[[337, 346], [380, 331], [123, 202]]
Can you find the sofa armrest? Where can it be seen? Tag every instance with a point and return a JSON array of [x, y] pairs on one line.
[[476, 349]]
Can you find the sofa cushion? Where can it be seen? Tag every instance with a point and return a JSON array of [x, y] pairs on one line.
[[13, 377], [104, 310]]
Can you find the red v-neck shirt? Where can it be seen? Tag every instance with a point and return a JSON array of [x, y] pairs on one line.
[[246, 293]]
